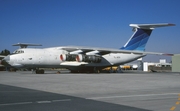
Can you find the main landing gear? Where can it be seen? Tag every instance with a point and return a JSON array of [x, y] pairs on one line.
[[37, 71], [87, 70]]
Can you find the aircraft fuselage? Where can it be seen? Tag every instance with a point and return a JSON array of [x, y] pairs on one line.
[[51, 58]]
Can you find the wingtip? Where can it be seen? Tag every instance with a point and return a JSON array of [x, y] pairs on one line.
[[168, 54], [170, 24]]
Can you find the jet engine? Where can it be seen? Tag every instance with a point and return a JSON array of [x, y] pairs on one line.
[[81, 58], [88, 58], [68, 57]]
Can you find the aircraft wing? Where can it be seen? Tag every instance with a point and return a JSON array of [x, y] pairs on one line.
[[103, 51]]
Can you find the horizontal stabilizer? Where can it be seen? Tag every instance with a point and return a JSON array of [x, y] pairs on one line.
[[24, 45], [150, 26]]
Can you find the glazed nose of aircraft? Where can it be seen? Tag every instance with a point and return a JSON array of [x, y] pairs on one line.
[[5, 61]]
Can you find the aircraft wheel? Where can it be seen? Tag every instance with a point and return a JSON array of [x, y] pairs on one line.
[[74, 71], [40, 71], [95, 70]]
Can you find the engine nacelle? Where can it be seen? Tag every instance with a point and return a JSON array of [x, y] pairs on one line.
[[80, 58], [88, 58], [68, 57], [63, 57]]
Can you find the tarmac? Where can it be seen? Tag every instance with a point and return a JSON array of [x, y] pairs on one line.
[[24, 91]]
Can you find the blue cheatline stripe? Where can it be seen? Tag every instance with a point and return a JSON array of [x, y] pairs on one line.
[[139, 40]]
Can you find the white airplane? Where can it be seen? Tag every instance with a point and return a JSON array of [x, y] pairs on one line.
[[83, 59]]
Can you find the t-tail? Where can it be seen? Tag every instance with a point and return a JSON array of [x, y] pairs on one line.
[[141, 35]]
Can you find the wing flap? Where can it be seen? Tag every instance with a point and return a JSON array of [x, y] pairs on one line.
[[73, 63]]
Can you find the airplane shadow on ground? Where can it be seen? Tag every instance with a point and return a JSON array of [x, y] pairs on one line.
[[23, 99]]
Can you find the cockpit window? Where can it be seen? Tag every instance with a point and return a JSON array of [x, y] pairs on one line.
[[18, 52]]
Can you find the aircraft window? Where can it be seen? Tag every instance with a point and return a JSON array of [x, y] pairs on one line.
[[18, 52], [15, 52]]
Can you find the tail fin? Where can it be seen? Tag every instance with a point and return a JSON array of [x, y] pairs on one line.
[[141, 35]]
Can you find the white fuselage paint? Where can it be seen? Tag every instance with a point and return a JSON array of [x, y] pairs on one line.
[[50, 57]]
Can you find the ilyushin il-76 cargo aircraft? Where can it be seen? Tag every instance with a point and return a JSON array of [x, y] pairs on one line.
[[83, 59]]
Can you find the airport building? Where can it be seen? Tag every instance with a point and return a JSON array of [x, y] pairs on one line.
[[176, 63], [161, 66]]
